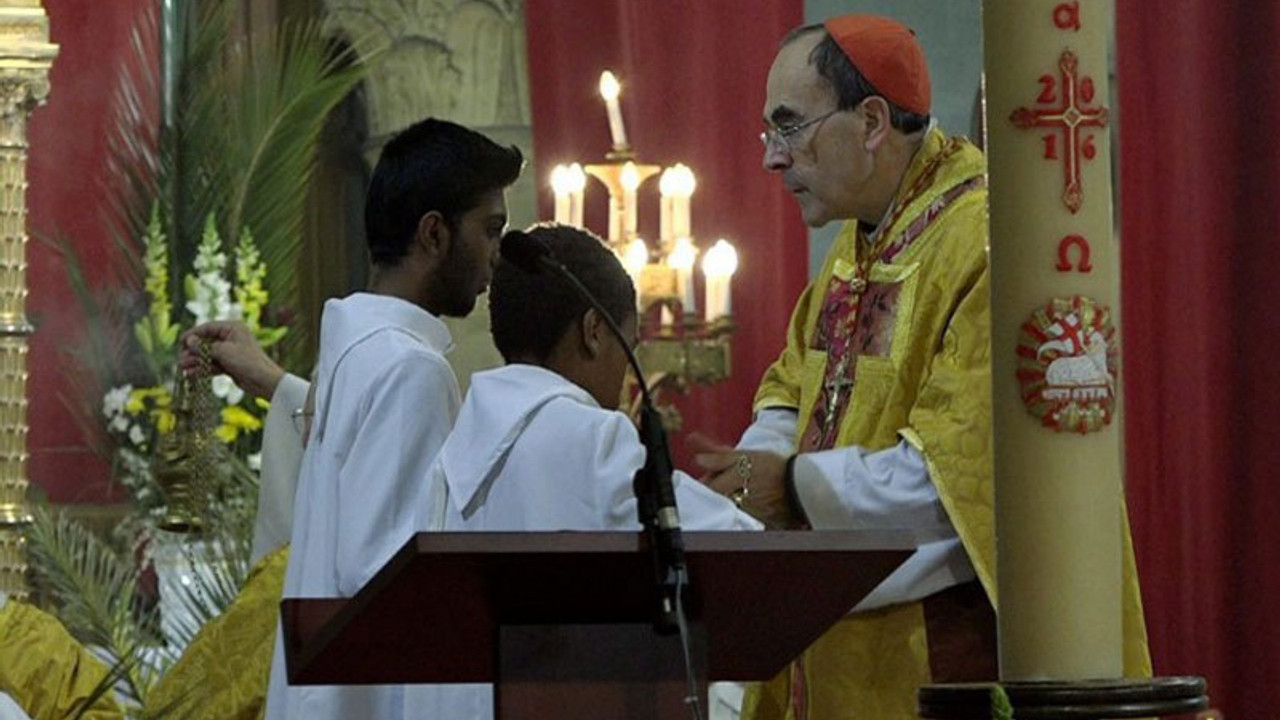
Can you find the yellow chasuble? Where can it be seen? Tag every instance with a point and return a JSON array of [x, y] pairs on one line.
[[46, 671], [892, 341], [222, 675]]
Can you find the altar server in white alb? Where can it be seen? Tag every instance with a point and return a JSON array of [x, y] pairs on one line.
[[385, 397], [539, 444]]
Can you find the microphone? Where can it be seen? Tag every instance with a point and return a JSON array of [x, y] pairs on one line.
[[521, 249], [655, 494]]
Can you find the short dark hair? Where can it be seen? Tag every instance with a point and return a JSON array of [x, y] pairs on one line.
[[850, 85], [431, 165], [529, 313]]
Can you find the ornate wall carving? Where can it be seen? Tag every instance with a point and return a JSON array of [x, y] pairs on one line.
[[458, 59]]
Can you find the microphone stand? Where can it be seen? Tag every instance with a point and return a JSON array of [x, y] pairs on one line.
[[655, 494]]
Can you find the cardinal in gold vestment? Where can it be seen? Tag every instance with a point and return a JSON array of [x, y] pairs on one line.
[[877, 414]]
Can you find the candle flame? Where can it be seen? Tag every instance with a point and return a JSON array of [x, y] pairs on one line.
[[636, 256], [576, 178], [560, 180], [682, 255], [630, 176], [677, 180], [721, 260], [610, 88]]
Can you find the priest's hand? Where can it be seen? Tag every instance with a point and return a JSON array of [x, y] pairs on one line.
[[235, 352], [753, 479]]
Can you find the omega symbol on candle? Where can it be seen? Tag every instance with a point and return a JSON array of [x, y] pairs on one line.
[[1081, 246], [1067, 359]]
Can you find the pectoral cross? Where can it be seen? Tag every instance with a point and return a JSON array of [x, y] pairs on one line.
[[834, 387]]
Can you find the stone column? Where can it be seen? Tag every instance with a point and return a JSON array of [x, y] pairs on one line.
[[25, 58]]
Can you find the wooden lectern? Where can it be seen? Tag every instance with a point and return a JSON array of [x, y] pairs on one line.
[[560, 622]]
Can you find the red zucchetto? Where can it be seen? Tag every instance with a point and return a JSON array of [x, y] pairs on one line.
[[888, 55]]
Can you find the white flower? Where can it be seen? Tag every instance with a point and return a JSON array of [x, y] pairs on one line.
[[255, 462], [137, 436], [226, 388], [120, 424], [211, 297], [114, 401]]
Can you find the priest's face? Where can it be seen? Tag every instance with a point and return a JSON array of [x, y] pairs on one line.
[[473, 253], [816, 148]]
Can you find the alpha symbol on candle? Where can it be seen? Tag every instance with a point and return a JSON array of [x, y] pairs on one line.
[[1069, 118], [1067, 16], [1067, 358], [1064, 254]]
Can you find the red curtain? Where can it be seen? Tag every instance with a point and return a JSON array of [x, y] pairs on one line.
[[66, 171], [693, 79], [1200, 169]]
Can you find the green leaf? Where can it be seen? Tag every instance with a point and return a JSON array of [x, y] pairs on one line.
[[268, 337], [1001, 708], [142, 330]]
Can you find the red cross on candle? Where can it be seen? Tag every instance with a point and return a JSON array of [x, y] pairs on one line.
[[1070, 116]]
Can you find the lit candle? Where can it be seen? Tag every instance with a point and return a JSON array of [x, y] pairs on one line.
[[577, 184], [609, 90], [681, 259], [560, 186], [634, 260], [667, 187], [718, 265], [630, 181], [682, 187]]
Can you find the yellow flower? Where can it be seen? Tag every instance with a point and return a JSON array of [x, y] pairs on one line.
[[227, 433], [240, 419], [165, 421], [134, 404], [137, 401]]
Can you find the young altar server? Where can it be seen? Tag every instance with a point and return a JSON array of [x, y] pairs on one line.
[[539, 444]]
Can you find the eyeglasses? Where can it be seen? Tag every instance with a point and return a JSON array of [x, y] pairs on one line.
[[779, 138]]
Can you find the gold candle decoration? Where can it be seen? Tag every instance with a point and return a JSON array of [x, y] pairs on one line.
[[718, 265], [610, 175], [26, 55], [1055, 308], [610, 89], [630, 183]]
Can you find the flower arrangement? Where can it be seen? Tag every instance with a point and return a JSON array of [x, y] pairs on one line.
[[231, 147], [221, 286]]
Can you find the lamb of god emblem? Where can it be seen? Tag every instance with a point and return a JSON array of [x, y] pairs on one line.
[[1067, 358]]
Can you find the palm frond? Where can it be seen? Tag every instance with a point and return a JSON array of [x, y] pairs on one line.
[[94, 588], [285, 87], [102, 696], [238, 141], [97, 357], [88, 579]]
